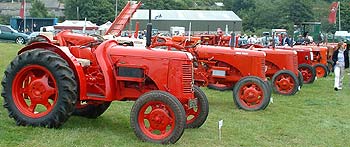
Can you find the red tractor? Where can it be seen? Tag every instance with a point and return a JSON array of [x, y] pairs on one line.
[[282, 65], [222, 68], [282, 69], [48, 82], [319, 61], [305, 58]]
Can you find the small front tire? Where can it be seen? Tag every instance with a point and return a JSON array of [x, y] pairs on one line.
[[158, 117], [250, 93]]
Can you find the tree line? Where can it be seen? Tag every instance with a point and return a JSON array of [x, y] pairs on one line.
[[256, 15]]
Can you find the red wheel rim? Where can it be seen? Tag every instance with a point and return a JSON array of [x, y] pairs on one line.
[[284, 83], [251, 95], [320, 72], [34, 91], [192, 113], [307, 74], [156, 120]]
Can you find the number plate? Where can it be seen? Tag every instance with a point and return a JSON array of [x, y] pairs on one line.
[[219, 73]]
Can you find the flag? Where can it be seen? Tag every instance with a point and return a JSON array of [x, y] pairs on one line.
[[333, 13], [21, 11]]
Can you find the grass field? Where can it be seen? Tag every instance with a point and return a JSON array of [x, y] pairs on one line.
[[315, 116]]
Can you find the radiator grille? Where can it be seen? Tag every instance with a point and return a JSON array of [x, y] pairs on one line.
[[295, 61], [263, 66], [187, 77]]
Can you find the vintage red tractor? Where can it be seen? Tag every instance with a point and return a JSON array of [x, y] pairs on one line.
[[48, 82], [319, 61], [305, 58], [282, 65], [282, 69], [222, 68]]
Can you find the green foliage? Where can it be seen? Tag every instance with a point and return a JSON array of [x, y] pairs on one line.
[[256, 14], [5, 19], [345, 15], [97, 11], [38, 9]]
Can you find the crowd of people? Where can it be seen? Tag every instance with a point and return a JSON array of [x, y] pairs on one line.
[[281, 39]]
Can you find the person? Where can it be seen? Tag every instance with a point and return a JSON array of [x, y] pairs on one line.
[[341, 61], [285, 40]]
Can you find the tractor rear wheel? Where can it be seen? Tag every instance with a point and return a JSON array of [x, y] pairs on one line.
[[220, 87], [36, 39], [300, 79], [90, 109], [285, 82], [250, 93], [197, 116], [308, 72], [330, 66], [39, 89], [321, 70], [158, 117]]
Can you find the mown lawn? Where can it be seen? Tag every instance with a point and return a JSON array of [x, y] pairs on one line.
[[316, 116]]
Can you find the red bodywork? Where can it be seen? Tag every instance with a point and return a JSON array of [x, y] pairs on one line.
[[236, 63], [102, 80], [215, 58]]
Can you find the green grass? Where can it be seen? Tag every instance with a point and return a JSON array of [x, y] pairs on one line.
[[315, 116]]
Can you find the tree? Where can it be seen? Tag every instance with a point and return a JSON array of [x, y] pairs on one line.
[[97, 11], [344, 16], [238, 5], [38, 9]]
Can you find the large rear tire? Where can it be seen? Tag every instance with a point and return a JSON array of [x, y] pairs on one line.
[[250, 93], [285, 82], [39, 89], [308, 72], [330, 66], [300, 79], [158, 117], [197, 116], [90, 109]]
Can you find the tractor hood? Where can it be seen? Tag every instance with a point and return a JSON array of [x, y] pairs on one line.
[[210, 50], [276, 51], [149, 53]]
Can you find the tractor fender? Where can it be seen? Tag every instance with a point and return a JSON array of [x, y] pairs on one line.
[[45, 37], [102, 54], [66, 55]]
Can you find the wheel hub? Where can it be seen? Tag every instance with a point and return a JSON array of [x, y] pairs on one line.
[[37, 89], [159, 119], [250, 95], [284, 84]]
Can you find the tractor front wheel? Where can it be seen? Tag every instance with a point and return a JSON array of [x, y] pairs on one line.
[[321, 70], [158, 117], [285, 82], [197, 116], [250, 93], [308, 72], [39, 89], [90, 109]]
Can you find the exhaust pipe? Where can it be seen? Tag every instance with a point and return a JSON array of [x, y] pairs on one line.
[[149, 30], [233, 40]]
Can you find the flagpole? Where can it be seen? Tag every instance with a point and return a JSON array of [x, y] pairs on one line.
[[339, 16], [24, 16]]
